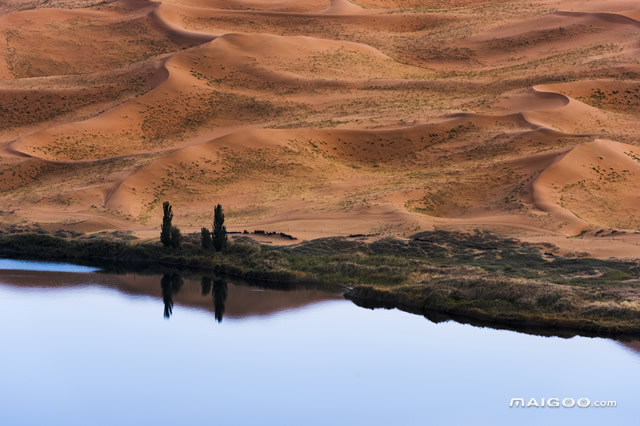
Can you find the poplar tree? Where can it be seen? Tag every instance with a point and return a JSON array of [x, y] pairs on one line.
[[165, 230], [219, 230]]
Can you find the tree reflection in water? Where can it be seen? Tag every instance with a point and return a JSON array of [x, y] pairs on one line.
[[219, 298], [171, 284], [206, 285]]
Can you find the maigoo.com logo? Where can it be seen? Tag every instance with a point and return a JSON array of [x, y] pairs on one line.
[[560, 402]]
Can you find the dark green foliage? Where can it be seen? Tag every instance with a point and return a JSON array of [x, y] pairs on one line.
[[205, 239], [170, 235], [176, 237], [219, 230], [165, 230], [96, 251]]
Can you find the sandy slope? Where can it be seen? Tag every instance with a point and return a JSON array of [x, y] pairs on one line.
[[325, 117], [591, 182]]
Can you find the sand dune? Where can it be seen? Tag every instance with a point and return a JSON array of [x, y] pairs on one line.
[[266, 5], [325, 117], [167, 21], [343, 7], [593, 184]]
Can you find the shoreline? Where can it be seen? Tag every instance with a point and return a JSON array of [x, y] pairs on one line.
[[471, 278], [524, 326]]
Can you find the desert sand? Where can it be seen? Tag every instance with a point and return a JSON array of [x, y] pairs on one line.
[[325, 117]]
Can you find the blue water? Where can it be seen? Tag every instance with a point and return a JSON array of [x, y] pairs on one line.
[[30, 265], [91, 355]]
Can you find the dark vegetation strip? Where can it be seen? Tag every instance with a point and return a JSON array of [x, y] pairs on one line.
[[479, 276], [124, 256]]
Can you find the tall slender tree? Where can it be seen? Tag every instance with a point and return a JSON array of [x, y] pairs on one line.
[[165, 231], [219, 230]]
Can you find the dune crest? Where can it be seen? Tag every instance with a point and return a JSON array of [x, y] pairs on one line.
[[343, 7]]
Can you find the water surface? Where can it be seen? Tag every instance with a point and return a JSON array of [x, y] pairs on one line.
[[31, 265], [99, 349]]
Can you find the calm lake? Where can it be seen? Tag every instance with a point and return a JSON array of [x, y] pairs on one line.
[[80, 347]]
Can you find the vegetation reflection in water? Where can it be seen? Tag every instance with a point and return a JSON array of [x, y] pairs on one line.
[[66, 352], [171, 283]]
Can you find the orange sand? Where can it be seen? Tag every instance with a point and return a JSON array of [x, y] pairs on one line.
[[325, 117]]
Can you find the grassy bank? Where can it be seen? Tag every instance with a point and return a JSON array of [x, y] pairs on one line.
[[477, 276], [238, 262]]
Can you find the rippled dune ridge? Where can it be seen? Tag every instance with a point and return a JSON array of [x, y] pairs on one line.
[[324, 117]]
